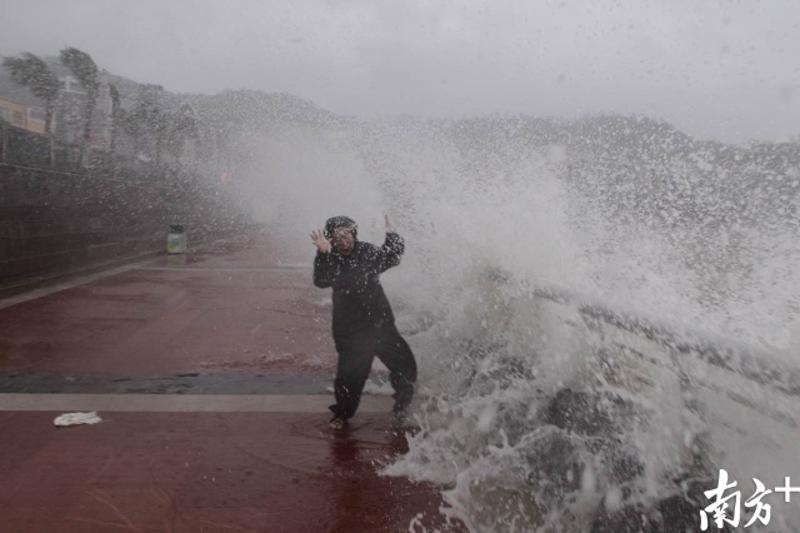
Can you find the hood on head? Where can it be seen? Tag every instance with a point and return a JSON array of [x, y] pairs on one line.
[[337, 222]]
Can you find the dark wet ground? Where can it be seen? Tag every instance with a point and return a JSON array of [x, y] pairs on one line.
[[205, 472], [237, 320]]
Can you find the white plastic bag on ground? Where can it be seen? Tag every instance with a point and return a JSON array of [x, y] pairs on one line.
[[72, 419]]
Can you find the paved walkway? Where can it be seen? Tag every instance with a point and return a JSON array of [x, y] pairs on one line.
[[211, 375]]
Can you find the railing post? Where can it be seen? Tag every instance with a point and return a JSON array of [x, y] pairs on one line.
[[3, 141]]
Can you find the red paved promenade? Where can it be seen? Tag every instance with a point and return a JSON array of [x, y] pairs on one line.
[[210, 376]]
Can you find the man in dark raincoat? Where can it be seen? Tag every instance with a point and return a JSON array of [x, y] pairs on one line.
[[363, 323]]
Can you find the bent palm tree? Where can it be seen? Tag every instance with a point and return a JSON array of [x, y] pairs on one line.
[[115, 115], [84, 69]]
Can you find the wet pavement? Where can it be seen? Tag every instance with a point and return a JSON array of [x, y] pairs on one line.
[[211, 373]]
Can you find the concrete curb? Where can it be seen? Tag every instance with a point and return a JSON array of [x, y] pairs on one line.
[[184, 403]]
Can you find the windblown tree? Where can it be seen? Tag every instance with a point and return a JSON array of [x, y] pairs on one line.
[[85, 71], [184, 130], [115, 115], [145, 121], [32, 72]]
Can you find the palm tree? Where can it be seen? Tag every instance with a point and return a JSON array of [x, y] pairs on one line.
[[184, 130], [115, 114], [84, 69], [148, 119], [32, 72]]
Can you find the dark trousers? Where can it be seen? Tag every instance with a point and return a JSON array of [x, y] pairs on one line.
[[356, 352]]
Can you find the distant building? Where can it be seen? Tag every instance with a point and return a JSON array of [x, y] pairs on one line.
[[69, 110], [37, 120], [21, 116], [71, 107], [69, 84]]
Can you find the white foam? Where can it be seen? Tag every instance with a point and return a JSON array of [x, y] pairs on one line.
[[488, 219]]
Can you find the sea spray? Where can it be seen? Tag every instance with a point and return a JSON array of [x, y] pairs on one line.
[[604, 311]]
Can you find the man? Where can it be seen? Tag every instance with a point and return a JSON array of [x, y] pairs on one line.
[[363, 323]]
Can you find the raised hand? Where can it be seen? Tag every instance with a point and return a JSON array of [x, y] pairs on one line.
[[389, 225], [319, 240]]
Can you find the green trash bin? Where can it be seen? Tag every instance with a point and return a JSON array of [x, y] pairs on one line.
[[176, 239]]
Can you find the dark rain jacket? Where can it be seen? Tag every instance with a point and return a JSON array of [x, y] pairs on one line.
[[358, 298]]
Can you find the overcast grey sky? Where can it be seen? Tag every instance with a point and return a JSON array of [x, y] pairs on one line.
[[716, 69]]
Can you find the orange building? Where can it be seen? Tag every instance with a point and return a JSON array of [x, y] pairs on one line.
[[21, 116]]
